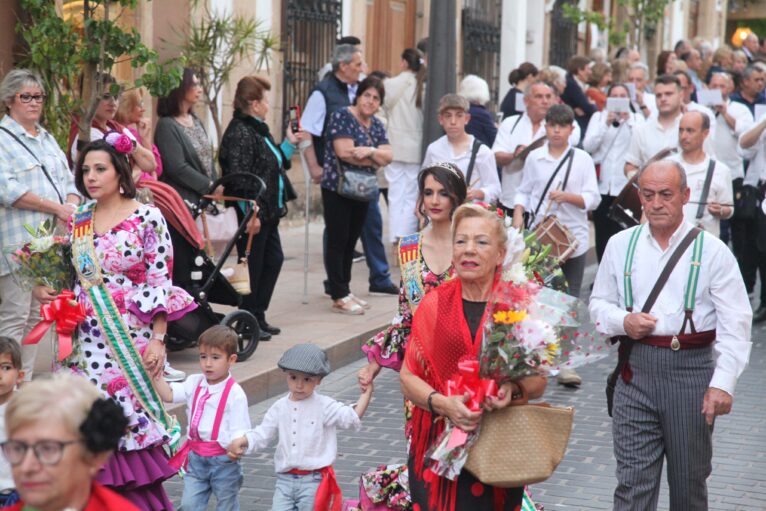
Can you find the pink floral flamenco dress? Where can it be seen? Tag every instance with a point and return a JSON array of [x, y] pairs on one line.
[[136, 261]]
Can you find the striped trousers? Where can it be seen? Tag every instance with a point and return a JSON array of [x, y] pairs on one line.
[[659, 415]]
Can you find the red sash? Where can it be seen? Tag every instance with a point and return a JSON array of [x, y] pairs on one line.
[[196, 445], [328, 497]]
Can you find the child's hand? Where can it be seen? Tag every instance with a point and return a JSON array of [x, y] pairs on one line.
[[367, 391], [237, 448]]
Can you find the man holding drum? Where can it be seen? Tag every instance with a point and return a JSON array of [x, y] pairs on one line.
[[709, 180]]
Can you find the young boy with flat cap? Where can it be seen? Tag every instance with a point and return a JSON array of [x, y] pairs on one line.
[[305, 423]]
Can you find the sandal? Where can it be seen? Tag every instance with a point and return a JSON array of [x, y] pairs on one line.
[[347, 305], [362, 303]]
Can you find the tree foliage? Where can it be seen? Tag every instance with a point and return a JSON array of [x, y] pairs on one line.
[[216, 44], [86, 46], [644, 17]]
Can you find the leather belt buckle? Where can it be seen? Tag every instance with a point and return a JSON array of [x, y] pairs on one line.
[[675, 344]]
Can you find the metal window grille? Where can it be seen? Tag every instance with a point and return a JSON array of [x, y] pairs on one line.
[[563, 36], [310, 30], [481, 42]]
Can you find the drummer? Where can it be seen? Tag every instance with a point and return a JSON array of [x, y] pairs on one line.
[[660, 132], [705, 209], [571, 202], [519, 131]]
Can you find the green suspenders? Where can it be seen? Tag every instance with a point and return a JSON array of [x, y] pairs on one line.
[[691, 284]]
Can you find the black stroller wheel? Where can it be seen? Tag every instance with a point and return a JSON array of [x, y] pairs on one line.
[[248, 332]]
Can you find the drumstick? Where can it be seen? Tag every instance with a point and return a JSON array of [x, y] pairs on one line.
[[706, 203]]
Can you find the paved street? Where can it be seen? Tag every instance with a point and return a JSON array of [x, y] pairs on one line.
[[584, 480]]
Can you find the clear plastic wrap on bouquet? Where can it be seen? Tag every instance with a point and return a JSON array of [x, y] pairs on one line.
[[536, 330], [45, 260]]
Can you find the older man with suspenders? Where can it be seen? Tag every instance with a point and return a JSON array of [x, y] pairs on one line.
[[672, 296]]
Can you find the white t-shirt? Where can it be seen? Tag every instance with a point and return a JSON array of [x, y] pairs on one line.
[[484, 176]]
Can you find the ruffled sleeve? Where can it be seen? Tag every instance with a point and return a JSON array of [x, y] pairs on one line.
[[387, 347], [155, 292]]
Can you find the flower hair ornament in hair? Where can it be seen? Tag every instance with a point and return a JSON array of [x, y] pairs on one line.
[[120, 141]]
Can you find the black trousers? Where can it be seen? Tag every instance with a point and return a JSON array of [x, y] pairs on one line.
[[751, 259], [264, 263], [344, 219], [468, 497], [605, 226]]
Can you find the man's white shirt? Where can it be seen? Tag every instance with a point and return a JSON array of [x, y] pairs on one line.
[[484, 176], [509, 138], [720, 191], [650, 138], [721, 301], [726, 140], [756, 153], [538, 169], [609, 146]]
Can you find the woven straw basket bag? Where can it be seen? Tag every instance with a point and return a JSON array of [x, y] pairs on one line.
[[520, 445]]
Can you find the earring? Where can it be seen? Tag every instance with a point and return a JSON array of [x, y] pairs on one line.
[[122, 190]]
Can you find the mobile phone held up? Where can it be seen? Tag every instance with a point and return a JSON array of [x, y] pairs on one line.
[[295, 118]]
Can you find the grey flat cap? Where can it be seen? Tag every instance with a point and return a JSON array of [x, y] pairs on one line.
[[305, 358]]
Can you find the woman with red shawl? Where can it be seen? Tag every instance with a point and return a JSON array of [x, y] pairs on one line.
[[447, 330]]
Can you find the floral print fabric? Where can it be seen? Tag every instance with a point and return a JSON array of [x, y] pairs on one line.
[[343, 124], [136, 259]]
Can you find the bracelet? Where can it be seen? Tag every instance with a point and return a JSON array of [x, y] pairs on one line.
[[430, 401], [158, 337]]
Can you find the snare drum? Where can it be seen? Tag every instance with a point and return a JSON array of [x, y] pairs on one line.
[[626, 208], [552, 232]]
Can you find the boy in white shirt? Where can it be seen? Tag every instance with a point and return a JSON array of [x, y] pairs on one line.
[[570, 202], [304, 422], [11, 375], [475, 160], [216, 407]]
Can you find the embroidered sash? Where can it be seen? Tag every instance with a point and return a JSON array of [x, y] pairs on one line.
[[112, 324], [409, 262]]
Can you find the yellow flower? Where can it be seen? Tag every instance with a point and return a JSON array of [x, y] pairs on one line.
[[552, 349], [509, 317]]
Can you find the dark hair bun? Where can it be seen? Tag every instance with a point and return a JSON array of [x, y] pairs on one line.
[[104, 426]]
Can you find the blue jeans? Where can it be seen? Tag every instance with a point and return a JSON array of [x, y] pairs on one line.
[[295, 493], [214, 474], [374, 251]]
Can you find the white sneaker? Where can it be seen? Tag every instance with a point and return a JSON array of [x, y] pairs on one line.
[[173, 375], [569, 378]]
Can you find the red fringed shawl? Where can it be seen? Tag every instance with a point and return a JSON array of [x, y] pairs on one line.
[[440, 339]]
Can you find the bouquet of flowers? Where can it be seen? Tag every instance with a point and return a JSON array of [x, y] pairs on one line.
[[387, 487], [530, 329], [45, 260]]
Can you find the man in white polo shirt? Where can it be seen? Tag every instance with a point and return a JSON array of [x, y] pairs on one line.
[[660, 132], [709, 181], [519, 131]]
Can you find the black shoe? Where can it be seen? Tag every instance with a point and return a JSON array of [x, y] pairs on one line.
[[358, 257], [388, 289], [265, 336], [265, 327], [759, 316]]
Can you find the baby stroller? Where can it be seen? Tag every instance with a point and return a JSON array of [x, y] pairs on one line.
[[198, 274]]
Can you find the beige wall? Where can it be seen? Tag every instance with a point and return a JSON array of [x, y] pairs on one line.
[[7, 34]]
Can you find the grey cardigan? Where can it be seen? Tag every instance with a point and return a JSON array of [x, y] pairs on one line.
[[181, 166]]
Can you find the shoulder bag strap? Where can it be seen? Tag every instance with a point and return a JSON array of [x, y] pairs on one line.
[[569, 156], [518, 120], [474, 152], [705, 189], [569, 169], [668, 269], [45, 171]]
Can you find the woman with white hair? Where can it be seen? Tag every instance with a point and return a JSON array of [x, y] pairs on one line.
[[482, 125], [35, 186]]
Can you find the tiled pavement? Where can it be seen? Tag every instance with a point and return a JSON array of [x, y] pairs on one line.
[[583, 481]]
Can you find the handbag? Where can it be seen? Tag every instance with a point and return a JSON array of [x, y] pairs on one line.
[[217, 228], [747, 199], [520, 445], [356, 184]]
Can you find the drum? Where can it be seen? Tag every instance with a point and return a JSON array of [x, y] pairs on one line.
[[552, 232], [626, 209]]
